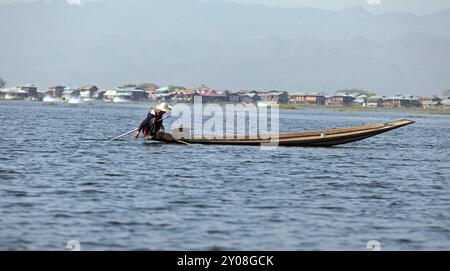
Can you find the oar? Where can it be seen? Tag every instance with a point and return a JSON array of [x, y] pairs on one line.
[[169, 137], [182, 142], [122, 135]]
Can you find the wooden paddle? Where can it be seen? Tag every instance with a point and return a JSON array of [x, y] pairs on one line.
[[168, 137], [122, 135]]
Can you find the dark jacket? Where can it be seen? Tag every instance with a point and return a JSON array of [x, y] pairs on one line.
[[151, 125]]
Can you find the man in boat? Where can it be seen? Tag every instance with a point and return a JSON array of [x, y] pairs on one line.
[[153, 123]]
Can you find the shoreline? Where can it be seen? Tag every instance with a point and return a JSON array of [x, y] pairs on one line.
[[290, 106]]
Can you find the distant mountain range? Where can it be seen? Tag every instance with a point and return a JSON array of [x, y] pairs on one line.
[[224, 45]]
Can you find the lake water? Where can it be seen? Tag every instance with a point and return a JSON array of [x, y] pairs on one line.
[[60, 181]]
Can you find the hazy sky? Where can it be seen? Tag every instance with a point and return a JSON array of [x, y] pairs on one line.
[[377, 6], [415, 6], [259, 48]]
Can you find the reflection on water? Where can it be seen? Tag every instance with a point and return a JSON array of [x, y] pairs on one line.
[[60, 181]]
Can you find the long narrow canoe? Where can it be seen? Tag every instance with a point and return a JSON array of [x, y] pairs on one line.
[[325, 138]]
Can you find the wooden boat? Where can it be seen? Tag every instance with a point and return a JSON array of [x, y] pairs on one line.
[[325, 138]]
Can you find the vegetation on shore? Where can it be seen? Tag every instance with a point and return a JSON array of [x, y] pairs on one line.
[[2, 83], [288, 106], [144, 86], [430, 110], [357, 91], [140, 86]]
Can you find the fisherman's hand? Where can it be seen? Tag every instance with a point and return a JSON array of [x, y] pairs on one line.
[[136, 135]]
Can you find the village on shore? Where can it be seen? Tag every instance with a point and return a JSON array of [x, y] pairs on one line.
[[179, 94]]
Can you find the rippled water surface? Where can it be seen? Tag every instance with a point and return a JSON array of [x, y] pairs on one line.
[[60, 181]]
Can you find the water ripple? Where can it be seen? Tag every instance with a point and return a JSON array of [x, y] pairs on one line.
[[58, 186]]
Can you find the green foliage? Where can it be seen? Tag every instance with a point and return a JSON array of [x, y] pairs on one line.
[[147, 85], [176, 88], [129, 85], [287, 106], [141, 85], [358, 91]]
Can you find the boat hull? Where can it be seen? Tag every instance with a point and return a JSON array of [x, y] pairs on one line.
[[326, 138], [10, 97]]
